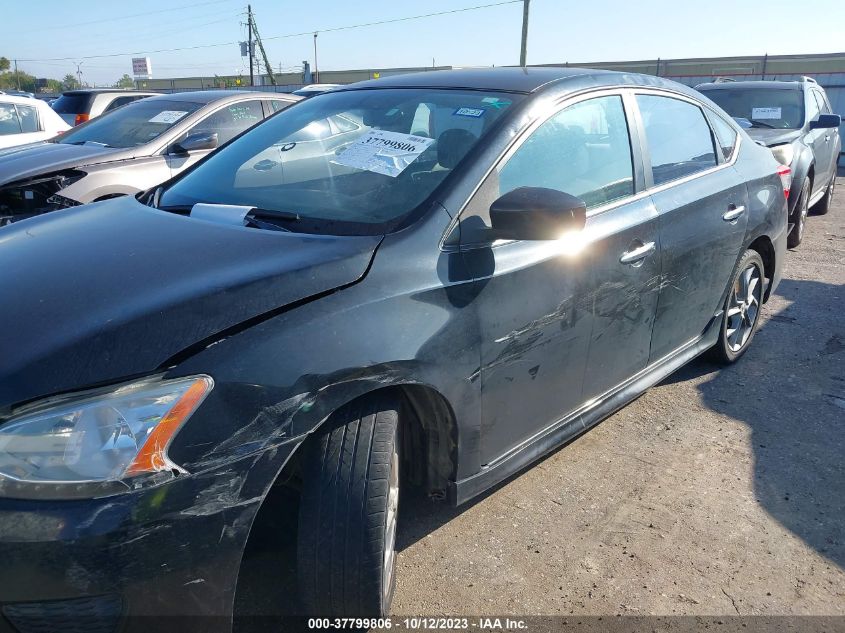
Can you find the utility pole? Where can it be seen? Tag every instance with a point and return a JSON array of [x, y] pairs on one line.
[[17, 76], [250, 45], [79, 73], [316, 72], [523, 54]]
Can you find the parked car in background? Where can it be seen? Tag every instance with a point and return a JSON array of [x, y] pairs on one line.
[[470, 283], [20, 93], [795, 120], [24, 120], [128, 150], [78, 106], [315, 89]]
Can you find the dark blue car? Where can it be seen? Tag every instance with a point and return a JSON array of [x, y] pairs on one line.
[[428, 280]]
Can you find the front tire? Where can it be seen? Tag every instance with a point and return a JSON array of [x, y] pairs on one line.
[[347, 520], [796, 235], [742, 309]]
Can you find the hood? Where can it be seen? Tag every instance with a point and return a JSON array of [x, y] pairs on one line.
[[772, 137], [114, 289], [27, 161]]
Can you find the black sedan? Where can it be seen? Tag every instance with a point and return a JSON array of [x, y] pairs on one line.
[[477, 267]]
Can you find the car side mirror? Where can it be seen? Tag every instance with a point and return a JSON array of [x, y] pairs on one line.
[[537, 213], [194, 142], [826, 121]]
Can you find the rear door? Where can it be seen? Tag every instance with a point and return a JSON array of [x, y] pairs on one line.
[[701, 201]]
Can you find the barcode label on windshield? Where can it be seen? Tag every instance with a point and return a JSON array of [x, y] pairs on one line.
[[382, 152]]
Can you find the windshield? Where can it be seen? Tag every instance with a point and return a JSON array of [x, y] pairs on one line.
[[134, 124], [763, 107], [346, 162]]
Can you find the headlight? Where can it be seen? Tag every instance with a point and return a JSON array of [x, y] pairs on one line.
[[784, 153], [103, 437]]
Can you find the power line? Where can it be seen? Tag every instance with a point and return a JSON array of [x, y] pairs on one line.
[[277, 37], [380, 22], [136, 15]]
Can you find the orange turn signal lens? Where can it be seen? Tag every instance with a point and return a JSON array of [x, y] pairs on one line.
[[153, 454]]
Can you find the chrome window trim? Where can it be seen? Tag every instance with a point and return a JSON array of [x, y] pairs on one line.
[[659, 92], [550, 110]]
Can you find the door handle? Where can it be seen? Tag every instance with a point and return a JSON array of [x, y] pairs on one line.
[[733, 213], [638, 254], [827, 138]]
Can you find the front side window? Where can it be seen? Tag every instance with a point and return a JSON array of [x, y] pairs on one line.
[[230, 121], [9, 122], [135, 124], [761, 107], [725, 134], [351, 162], [584, 150], [678, 137]]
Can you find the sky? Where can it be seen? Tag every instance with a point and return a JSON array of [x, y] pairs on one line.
[[49, 37]]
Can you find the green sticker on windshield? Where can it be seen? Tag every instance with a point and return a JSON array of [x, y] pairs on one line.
[[495, 102]]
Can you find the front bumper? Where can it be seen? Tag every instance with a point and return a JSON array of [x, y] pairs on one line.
[[163, 553]]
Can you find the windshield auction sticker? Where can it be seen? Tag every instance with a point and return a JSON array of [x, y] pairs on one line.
[[168, 116], [765, 113], [382, 152]]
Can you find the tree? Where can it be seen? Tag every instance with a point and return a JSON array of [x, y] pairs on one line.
[[125, 82], [4, 64], [18, 80], [70, 82]]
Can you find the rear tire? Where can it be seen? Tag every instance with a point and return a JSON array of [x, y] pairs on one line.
[[796, 235], [742, 309], [823, 205], [347, 517]]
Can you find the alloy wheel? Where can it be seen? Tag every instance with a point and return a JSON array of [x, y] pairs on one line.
[[744, 307], [390, 525]]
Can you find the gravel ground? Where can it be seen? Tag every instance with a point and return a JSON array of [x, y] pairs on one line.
[[718, 492]]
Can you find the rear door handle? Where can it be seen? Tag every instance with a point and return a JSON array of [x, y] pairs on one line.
[[733, 213], [638, 254]]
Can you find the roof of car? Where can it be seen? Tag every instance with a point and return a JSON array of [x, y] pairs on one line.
[[510, 79], [761, 85], [208, 96], [7, 98], [86, 91]]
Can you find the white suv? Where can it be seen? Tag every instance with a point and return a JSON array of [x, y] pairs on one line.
[[77, 106]]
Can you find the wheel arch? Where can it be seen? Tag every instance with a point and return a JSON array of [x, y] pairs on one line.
[[766, 249]]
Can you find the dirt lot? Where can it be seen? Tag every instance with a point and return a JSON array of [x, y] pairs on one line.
[[718, 492]]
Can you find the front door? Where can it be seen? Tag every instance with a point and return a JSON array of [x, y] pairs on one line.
[[535, 300], [701, 201]]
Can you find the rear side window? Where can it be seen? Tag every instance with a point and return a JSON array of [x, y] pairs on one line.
[[678, 138], [120, 101], [725, 135], [9, 122], [584, 150], [29, 118]]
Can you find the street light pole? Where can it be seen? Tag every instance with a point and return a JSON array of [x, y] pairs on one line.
[[316, 67], [523, 53]]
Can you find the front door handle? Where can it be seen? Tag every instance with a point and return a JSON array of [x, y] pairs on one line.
[[733, 213], [638, 254]]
